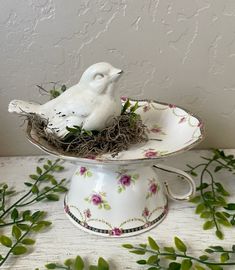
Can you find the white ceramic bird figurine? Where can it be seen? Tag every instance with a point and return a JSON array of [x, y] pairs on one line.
[[90, 104]]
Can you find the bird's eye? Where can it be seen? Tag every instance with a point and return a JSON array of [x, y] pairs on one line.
[[99, 76]]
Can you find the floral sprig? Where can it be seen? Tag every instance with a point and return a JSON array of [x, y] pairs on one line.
[[55, 91], [21, 223], [78, 264], [131, 110], [178, 258], [98, 199], [211, 199], [18, 242]]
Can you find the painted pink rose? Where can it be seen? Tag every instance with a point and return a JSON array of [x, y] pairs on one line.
[[87, 213], [96, 199], [145, 213], [116, 231], [200, 125], [123, 98], [153, 188], [66, 209], [146, 108], [182, 120], [83, 170], [125, 180], [156, 130], [150, 154]]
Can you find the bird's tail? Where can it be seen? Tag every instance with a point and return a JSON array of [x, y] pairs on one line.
[[23, 107]]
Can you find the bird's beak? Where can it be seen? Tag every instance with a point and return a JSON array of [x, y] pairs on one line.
[[116, 74], [120, 72]]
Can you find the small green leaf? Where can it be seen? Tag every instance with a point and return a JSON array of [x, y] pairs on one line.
[[203, 186], [33, 176], [180, 245], [217, 248], [102, 264], [16, 232], [141, 262], [233, 248], [39, 170], [196, 199], [28, 184], [63, 88], [126, 106], [79, 263], [219, 234], [51, 266], [230, 206], [26, 215], [152, 259], [186, 264], [35, 189], [224, 222], [152, 243], [46, 167], [203, 258], [138, 252], [200, 208], [135, 107], [28, 241], [208, 225], [128, 246], [38, 228], [174, 266], [209, 251], [23, 227], [14, 214], [52, 197], [19, 250], [205, 214], [69, 262], [169, 249], [107, 206], [224, 257], [218, 168], [5, 241]]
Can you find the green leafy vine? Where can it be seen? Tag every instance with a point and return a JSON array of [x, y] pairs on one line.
[[211, 199]]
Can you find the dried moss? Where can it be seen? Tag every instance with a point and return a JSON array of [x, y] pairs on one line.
[[126, 130]]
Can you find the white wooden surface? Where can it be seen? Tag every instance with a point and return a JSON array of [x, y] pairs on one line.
[[64, 240]]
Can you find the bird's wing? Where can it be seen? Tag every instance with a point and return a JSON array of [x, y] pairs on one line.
[[71, 102]]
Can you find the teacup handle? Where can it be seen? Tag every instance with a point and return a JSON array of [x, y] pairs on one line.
[[192, 186]]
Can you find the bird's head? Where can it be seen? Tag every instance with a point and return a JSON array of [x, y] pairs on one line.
[[100, 77]]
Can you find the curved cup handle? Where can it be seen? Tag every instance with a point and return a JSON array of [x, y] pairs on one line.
[[187, 177]]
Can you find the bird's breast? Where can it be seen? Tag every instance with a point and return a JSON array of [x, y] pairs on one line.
[[105, 109]]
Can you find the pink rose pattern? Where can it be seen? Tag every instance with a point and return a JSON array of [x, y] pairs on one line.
[[153, 188], [99, 200], [125, 180], [87, 213], [116, 231], [145, 212], [156, 130], [84, 171], [151, 153]]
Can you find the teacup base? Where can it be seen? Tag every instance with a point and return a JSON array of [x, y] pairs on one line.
[[114, 232]]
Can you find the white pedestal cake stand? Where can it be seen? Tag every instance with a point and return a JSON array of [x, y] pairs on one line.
[[123, 195]]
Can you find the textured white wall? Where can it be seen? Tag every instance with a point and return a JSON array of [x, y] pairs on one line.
[[180, 52]]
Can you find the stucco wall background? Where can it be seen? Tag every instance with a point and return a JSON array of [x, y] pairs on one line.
[[180, 52]]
